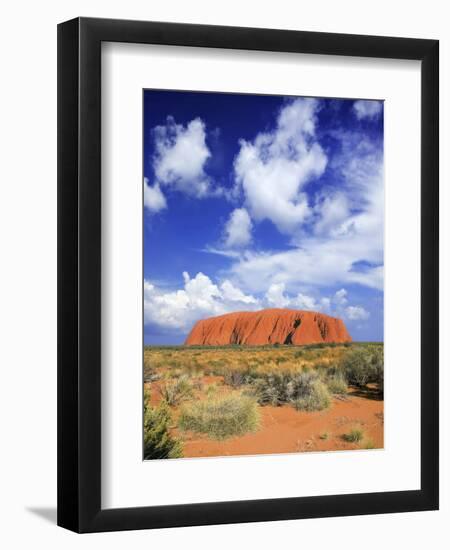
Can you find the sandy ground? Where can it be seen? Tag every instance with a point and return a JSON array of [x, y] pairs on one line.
[[285, 430]]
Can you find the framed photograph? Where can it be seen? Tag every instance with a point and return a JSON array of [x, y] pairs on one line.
[[247, 275]]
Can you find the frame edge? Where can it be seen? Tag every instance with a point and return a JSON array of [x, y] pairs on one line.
[[67, 370]]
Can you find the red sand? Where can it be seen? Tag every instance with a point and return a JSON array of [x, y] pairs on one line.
[[269, 326], [285, 430]]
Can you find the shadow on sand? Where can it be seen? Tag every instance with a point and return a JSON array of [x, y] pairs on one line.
[[367, 393]]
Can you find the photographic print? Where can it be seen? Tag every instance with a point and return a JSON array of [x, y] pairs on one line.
[[263, 247]]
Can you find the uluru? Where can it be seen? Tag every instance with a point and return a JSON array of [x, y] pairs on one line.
[[268, 326]]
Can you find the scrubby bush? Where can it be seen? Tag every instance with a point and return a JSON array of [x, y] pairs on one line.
[[234, 378], [357, 368], [273, 388], [378, 367], [314, 397], [158, 443], [197, 384], [305, 390], [173, 392], [149, 369], [354, 436], [337, 384], [220, 417], [364, 365], [211, 390]]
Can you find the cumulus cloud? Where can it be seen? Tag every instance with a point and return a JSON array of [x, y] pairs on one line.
[[336, 304], [332, 211], [180, 156], [275, 296], [356, 313], [199, 298], [340, 297], [348, 227], [273, 169], [367, 109], [230, 293], [154, 199], [238, 229], [303, 301]]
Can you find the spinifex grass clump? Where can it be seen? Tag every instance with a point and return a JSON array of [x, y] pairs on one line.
[[221, 417], [364, 365], [149, 369], [235, 377], [273, 388], [173, 392], [354, 436], [158, 443], [305, 391], [337, 385], [313, 396]]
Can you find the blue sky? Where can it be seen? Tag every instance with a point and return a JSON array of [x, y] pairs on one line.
[[261, 201]]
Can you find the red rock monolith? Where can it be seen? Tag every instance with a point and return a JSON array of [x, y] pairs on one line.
[[268, 326]]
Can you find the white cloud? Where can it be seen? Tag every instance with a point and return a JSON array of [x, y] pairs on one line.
[[367, 109], [180, 156], [348, 228], [340, 297], [199, 298], [318, 263], [232, 254], [238, 229], [332, 212], [273, 169], [154, 200], [356, 313], [335, 305], [303, 301], [275, 296], [230, 293]]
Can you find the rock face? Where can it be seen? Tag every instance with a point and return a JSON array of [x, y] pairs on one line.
[[268, 326]]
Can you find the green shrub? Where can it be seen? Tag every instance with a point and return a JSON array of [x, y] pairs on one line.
[[158, 443], [363, 365], [378, 367], [174, 372], [354, 436], [273, 389], [305, 390], [337, 384], [315, 397], [174, 392], [220, 417], [211, 390], [234, 378], [149, 369]]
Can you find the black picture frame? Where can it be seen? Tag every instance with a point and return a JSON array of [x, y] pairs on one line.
[[79, 274]]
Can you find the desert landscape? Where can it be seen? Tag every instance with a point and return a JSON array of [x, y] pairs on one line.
[[264, 382]]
